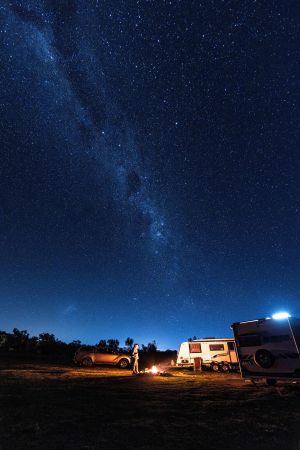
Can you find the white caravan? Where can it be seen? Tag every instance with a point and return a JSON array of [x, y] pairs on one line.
[[269, 348], [217, 354]]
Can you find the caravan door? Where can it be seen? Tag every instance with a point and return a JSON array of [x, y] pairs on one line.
[[232, 352], [195, 349]]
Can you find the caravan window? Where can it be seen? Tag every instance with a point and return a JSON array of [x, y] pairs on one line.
[[195, 347], [230, 346], [250, 340], [216, 347]]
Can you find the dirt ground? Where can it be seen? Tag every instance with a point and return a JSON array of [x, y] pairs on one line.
[[44, 406]]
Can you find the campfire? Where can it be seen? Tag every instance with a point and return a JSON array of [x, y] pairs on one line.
[[153, 371]]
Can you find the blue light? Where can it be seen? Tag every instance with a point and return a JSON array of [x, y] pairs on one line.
[[281, 315]]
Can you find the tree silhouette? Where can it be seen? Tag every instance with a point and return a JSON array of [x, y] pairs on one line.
[[47, 337], [113, 344], [75, 343], [4, 338], [102, 344], [129, 343], [47, 343], [152, 347], [19, 339]]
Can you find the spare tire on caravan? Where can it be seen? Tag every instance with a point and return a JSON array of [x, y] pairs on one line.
[[269, 348]]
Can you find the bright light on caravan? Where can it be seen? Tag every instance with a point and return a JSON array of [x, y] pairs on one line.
[[281, 315]]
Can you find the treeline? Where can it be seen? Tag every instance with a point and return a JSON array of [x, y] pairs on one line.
[[47, 345], [19, 341], [114, 345]]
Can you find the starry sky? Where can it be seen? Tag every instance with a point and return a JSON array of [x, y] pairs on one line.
[[149, 166]]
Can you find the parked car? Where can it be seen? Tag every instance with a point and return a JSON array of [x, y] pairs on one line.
[[88, 358]]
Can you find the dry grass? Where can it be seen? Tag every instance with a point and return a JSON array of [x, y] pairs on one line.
[[58, 407]]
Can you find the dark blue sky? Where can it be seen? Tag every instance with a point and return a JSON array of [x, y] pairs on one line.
[[150, 174]]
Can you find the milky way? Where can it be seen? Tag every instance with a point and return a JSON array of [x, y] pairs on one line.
[[76, 75]]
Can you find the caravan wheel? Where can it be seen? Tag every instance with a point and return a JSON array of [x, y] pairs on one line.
[[225, 368], [215, 367]]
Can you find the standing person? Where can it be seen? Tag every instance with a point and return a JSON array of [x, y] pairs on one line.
[[135, 356]]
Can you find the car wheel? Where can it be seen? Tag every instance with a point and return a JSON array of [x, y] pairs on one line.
[[87, 362], [123, 363], [264, 358], [215, 367], [225, 368]]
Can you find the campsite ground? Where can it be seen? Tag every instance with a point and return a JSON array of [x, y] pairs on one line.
[[45, 406]]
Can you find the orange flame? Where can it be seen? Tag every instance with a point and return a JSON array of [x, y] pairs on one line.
[[153, 370]]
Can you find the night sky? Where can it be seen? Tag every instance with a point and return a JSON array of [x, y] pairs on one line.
[[149, 166]]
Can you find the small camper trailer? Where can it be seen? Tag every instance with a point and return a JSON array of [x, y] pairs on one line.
[[216, 354], [269, 348]]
